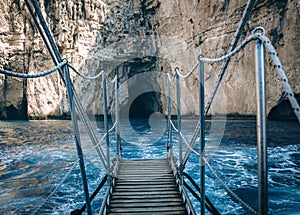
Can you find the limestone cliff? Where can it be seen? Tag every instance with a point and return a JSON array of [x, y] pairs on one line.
[[135, 36]]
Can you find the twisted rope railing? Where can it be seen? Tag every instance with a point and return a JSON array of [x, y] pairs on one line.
[[84, 76], [228, 190], [246, 15], [50, 71], [277, 65], [57, 187], [188, 74], [70, 170], [184, 139], [38, 75], [261, 37], [284, 82]]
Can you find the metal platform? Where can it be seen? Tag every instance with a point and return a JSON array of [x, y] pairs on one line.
[[145, 187]]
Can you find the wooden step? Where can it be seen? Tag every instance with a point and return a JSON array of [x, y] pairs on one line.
[[145, 187]]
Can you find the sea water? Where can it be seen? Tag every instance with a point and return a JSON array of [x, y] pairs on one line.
[[39, 173]]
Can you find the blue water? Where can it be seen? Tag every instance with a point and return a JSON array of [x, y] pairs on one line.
[[36, 155]]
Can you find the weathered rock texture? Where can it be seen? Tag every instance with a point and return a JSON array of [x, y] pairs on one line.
[[135, 36]]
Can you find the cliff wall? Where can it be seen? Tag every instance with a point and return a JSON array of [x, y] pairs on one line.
[[137, 36]]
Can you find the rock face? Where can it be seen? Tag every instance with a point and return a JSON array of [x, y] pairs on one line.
[[137, 37]]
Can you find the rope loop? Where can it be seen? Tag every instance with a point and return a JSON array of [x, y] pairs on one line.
[[65, 60], [188, 74], [200, 56], [254, 32]]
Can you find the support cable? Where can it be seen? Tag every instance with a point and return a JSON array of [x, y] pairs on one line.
[[246, 15], [228, 190], [57, 187], [209, 205], [96, 191]]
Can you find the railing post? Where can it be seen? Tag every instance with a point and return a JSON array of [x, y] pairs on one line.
[[261, 128], [179, 124], [77, 140], [169, 144], [202, 136], [55, 55], [106, 127], [117, 115]]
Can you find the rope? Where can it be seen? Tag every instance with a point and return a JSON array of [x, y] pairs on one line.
[[277, 65], [38, 75], [48, 72], [228, 190], [58, 186], [113, 80], [188, 74], [215, 60], [73, 167], [97, 145], [233, 52], [284, 81], [246, 15], [84, 76], [186, 143], [113, 127]]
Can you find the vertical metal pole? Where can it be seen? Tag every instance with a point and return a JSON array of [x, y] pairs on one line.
[[106, 127], [179, 124], [78, 142], [169, 144], [202, 137], [55, 55], [261, 130], [117, 115]]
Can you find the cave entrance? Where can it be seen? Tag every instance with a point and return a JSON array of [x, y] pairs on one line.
[[145, 105], [142, 109], [141, 104]]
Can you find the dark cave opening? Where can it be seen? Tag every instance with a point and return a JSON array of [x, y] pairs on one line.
[[145, 105], [140, 81], [141, 109]]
